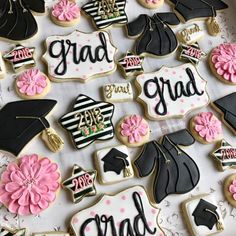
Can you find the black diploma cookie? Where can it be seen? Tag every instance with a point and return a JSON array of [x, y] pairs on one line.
[[9, 232], [154, 35], [106, 13], [205, 214], [227, 105], [89, 121], [16, 20], [21, 121], [176, 171]]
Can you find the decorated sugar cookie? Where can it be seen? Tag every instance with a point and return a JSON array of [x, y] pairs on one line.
[[191, 34], [230, 189], [226, 106], [154, 35], [20, 57], [222, 62], [206, 127], [9, 232], [126, 213], [172, 92], [152, 4], [174, 171], [65, 13], [79, 56], [118, 92], [131, 64], [89, 121], [225, 155], [114, 164], [202, 215], [29, 186], [51, 233], [32, 84], [133, 130], [21, 121], [106, 13], [2, 67], [81, 183]]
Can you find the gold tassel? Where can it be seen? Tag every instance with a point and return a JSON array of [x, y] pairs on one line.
[[212, 26], [52, 140], [219, 225], [127, 172]]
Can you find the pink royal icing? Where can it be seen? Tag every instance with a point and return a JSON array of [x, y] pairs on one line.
[[66, 10], [232, 189], [224, 61], [207, 126], [152, 1], [30, 185], [31, 82], [134, 127]]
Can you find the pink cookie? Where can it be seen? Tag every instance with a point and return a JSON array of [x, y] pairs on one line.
[[230, 189]]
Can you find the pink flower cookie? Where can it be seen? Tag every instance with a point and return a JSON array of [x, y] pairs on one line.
[[32, 84], [223, 62], [133, 130], [65, 13], [206, 128], [151, 4], [230, 189], [29, 186]]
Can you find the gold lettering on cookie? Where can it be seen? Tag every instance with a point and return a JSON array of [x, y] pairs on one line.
[[111, 89]]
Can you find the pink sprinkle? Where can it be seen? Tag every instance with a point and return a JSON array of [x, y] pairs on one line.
[[123, 197], [180, 76], [92, 213], [122, 210], [149, 223], [87, 228], [90, 67], [174, 72], [118, 224], [75, 220], [140, 193], [78, 35], [182, 111], [101, 69], [108, 202], [77, 69], [153, 211], [166, 70], [182, 100]]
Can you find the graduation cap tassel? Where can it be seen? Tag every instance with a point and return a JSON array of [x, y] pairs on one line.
[[212, 26], [127, 172], [219, 224]]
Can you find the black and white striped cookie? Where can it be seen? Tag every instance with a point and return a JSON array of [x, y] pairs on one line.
[[89, 121], [8, 232], [81, 183], [106, 13]]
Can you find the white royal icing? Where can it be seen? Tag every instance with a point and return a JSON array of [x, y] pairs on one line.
[[2, 67], [111, 176], [156, 95], [118, 92], [80, 48], [121, 207]]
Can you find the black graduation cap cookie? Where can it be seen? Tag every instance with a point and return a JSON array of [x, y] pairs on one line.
[[21, 121], [89, 121]]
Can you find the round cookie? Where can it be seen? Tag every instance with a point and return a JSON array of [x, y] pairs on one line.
[[230, 189], [32, 84], [222, 62], [65, 13], [30, 185], [206, 127], [151, 4], [133, 130]]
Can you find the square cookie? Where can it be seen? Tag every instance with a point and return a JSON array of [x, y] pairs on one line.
[[202, 215], [113, 164]]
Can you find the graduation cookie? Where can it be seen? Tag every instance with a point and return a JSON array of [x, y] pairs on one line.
[[20, 57], [10, 232], [106, 13], [113, 164], [89, 121], [65, 13], [81, 183], [225, 155], [227, 107], [151, 4], [202, 215], [126, 213], [21, 121], [223, 64], [30, 185], [79, 56], [2, 67], [230, 189], [172, 92], [206, 127], [133, 130], [175, 171], [51, 233], [154, 35], [32, 84]]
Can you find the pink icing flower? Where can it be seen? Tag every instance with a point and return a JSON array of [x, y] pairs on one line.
[[152, 1], [31, 82], [207, 126], [232, 189], [224, 60], [29, 186], [134, 127], [66, 10]]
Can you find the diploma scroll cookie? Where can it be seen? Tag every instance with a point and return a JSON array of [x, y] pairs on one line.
[[79, 56]]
